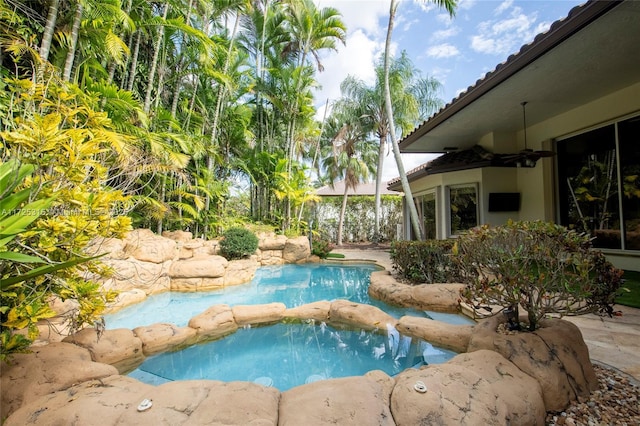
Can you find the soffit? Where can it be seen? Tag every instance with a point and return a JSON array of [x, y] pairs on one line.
[[599, 59]]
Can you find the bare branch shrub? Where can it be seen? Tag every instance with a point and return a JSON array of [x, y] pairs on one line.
[[541, 267]]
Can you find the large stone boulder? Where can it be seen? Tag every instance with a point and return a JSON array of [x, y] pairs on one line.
[[555, 355], [296, 250], [133, 274], [215, 322], [258, 314], [119, 347], [47, 369], [240, 271], [181, 236], [270, 257], [434, 297], [113, 247], [318, 311], [164, 337], [126, 298], [347, 401], [454, 337], [358, 315], [472, 389], [271, 242], [114, 401], [146, 246], [209, 267]]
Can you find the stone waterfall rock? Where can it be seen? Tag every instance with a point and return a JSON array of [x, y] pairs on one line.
[[367, 317], [454, 337], [258, 314], [215, 322], [480, 388], [296, 250], [162, 337], [555, 355]]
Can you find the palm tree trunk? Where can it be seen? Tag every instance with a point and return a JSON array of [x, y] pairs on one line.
[[50, 26], [154, 62], [134, 62], [343, 210], [376, 232], [71, 54], [413, 212]]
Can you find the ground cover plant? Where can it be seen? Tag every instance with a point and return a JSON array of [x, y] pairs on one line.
[[630, 291], [542, 267]]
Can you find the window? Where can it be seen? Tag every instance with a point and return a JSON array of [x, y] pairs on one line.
[[599, 184], [463, 208], [426, 206]]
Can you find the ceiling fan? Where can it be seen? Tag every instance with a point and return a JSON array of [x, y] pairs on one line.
[[526, 157]]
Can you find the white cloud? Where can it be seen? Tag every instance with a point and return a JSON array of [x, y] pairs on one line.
[[445, 50], [466, 4], [505, 36], [505, 5], [357, 58], [445, 34]]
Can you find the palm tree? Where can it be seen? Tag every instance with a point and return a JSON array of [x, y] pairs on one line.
[[350, 155], [449, 5], [408, 88]]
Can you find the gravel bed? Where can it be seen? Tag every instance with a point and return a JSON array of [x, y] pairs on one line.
[[615, 402]]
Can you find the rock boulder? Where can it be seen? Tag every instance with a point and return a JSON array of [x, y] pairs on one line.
[[47, 369], [114, 401], [215, 322], [467, 392], [347, 401], [163, 337], [367, 317], [454, 337], [119, 347], [555, 355], [296, 250]]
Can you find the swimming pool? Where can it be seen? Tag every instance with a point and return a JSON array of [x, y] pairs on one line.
[[283, 355], [288, 355], [293, 285]]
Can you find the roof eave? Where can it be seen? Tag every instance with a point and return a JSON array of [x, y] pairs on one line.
[[560, 30]]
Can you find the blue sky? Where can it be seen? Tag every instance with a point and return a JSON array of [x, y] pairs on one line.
[[456, 51]]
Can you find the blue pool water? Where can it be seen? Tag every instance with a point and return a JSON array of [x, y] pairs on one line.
[[282, 355], [293, 285], [288, 355]]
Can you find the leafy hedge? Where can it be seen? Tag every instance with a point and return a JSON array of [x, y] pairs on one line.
[[238, 243], [424, 262]]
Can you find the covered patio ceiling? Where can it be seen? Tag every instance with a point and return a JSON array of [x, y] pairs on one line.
[[592, 52]]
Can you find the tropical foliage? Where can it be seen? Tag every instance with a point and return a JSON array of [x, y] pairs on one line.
[[543, 267], [168, 115]]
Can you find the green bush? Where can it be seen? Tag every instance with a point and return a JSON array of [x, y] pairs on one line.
[[321, 247], [424, 261], [542, 267], [238, 243]]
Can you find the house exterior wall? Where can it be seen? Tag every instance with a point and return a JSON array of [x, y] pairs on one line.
[[537, 185]]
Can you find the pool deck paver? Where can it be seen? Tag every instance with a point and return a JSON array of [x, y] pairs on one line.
[[613, 341]]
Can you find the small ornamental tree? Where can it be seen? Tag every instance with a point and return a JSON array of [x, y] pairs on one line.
[[542, 267], [238, 243]]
